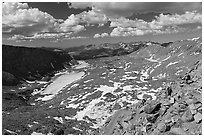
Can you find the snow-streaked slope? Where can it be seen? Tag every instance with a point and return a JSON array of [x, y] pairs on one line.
[[114, 83]]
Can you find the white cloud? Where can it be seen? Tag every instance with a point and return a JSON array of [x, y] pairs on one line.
[[18, 18], [97, 35], [12, 7], [25, 23], [78, 37], [21, 21], [93, 16], [72, 20], [41, 36], [118, 9], [125, 23], [101, 35], [188, 17], [162, 24], [199, 27], [71, 25], [139, 32], [129, 31], [30, 23]]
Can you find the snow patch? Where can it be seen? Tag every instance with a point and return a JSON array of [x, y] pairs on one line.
[[82, 64], [58, 119], [172, 63], [151, 59], [36, 133]]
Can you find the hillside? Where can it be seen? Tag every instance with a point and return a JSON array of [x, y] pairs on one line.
[[105, 50], [177, 110], [177, 107], [153, 90], [22, 63]]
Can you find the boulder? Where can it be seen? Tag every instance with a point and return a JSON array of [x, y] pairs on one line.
[[152, 108], [177, 131], [187, 116], [198, 117], [189, 101], [152, 117], [172, 100], [192, 108], [162, 127]]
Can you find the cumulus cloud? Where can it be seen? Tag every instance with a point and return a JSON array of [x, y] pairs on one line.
[[91, 17], [23, 22], [162, 24], [18, 18], [117, 9], [125, 23], [101, 35], [26, 23], [139, 32], [129, 31], [41, 36], [10, 8], [71, 24], [78, 37], [188, 17]]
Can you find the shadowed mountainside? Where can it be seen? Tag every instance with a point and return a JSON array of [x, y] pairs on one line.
[[21, 63]]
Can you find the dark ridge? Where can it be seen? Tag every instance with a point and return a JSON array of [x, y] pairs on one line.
[[30, 63]]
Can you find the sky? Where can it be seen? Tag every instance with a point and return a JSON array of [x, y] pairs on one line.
[[69, 24]]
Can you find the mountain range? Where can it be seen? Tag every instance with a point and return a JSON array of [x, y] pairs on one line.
[[132, 88]]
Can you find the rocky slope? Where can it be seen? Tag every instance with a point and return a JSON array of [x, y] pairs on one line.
[[154, 90], [20, 63], [176, 111], [177, 108]]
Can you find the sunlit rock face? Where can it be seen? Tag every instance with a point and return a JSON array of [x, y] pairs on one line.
[[100, 95]]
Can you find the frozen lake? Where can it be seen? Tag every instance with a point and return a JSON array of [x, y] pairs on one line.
[[62, 81]]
